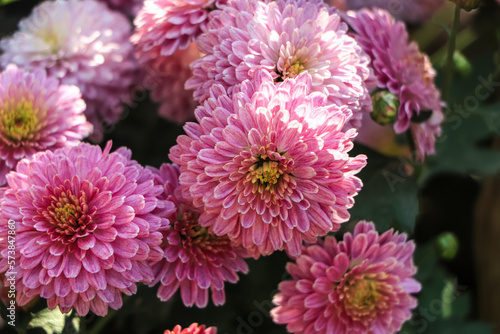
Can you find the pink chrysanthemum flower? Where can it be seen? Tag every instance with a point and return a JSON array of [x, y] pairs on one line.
[[193, 329], [196, 261], [361, 285], [402, 69], [37, 114], [164, 26], [269, 165], [285, 37], [166, 77], [406, 10], [87, 224], [82, 43]]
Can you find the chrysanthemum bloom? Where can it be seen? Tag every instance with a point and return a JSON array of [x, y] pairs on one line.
[[82, 43], [193, 329], [361, 285], [166, 77], [88, 223], [402, 69], [37, 114], [285, 37], [406, 10], [164, 26], [196, 261], [270, 165]]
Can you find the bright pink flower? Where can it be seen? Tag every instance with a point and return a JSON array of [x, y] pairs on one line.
[[166, 77], [196, 261], [87, 224], [193, 329], [361, 285], [402, 69], [164, 26], [285, 37], [270, 165], [37, 114], [82, 43]]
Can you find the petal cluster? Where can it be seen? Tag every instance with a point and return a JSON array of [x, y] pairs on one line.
[[82, 43], [193, 329], [286, 38], [88, 222], [37, 114], [196, 261], [269, 166], [360, 285], [401, 68]]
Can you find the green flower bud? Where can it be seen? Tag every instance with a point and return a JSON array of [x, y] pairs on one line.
[[385, 107], [467, 5], [447, 245]]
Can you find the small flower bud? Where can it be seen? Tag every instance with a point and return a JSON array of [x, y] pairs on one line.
[[447, 245], [467, 5], [385, 107]]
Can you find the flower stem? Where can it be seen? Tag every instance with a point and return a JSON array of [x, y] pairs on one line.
[[451, 51]]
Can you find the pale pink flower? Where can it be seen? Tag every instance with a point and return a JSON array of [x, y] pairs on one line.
[[193, 329], [37, 114], [81, 43], [361, 285], [401, 68], [87, 223], [196, 261], [286, 38], [270, 166]]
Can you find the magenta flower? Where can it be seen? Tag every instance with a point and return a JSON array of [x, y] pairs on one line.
[[164, 26], [270, 165], [37, 114], [193, 329], [402, 69], [82, 43], [166, 77], [361, 285], [286, 38], [196, 261], [88, 223]]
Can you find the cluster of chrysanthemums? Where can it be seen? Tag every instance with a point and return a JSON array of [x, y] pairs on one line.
[[278, 90]]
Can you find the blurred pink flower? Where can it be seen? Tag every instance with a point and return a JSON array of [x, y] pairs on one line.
[[270, 165], [401, 68], [37, 114], [286, 38], [164, 26], [361, 285], [87, 224], [195, 261], [193, 329], [82, 43]]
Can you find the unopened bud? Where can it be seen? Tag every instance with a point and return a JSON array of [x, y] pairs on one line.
[[447, 245], [467, 5], [385, 107]]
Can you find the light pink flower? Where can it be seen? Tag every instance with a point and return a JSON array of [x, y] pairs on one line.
[[361, 285], [193, 329], [82, 43], [196, 261], [87, 224], [164, 26], [166, 77], [286, 38], [270, 165], [402, 69], [37, 114]]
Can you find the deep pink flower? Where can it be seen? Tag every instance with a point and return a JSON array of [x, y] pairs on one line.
[[361, 285], [82, 43], [87, 224], [402, 69], [196, 261], [285, 37], [166, 77], [193, 329], [164, 26], [37, 114], [270, 165]]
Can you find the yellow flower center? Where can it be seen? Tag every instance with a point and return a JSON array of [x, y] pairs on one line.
[[267, 172], [19, 120], [362, 298]]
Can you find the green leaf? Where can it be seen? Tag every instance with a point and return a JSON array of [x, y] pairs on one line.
[[53, 321], [491, 117], [5, 2]]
